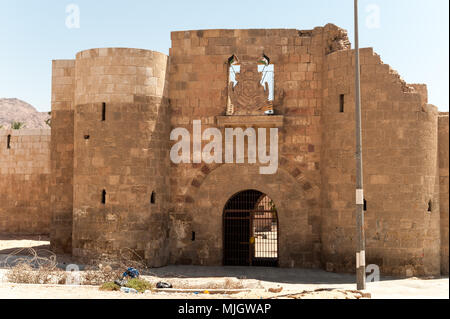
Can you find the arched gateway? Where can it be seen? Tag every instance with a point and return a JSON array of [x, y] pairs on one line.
[[250, 230]]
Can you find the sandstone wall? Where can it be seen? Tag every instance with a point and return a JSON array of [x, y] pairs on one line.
[[400, 161], [24, 181], [61, 187], [443, 182], [198, 91], [113, 186], [121, 154]]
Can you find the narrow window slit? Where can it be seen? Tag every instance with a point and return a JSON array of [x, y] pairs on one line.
[[365, 205], [8, 142], [103, 111], [104, 197], [430, 206], [341, 103], [153, 198], [193, 236]]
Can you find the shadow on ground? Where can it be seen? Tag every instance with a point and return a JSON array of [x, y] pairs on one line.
[[279, 275], [42, 251], [23, 248], [18, 247]]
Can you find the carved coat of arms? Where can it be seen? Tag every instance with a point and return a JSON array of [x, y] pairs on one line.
[[249, 92]]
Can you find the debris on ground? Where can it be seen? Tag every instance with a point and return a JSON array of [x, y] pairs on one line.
[[163, 285], [326, 294], [121, 283], [128, 290], [276, 290], [130, 272]]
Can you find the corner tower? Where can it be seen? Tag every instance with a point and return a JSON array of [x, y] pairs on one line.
[[401, 184], [120, 154]]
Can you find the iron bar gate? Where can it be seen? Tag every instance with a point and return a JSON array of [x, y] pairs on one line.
[[250, 230]]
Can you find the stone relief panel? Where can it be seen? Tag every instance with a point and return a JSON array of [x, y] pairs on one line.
[[250, 87]]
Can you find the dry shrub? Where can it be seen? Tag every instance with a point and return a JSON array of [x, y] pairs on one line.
[[97, 274], [141, 285], [23, 273], [125, 259], [101, 276], [109, 286], [34, 269], [37, 269]]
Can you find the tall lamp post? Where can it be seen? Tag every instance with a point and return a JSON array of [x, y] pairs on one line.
[[361, 245]]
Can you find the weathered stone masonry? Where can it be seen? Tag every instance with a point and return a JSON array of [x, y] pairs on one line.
[[443, 184], [24, 181], [113, 186], [118, 131]]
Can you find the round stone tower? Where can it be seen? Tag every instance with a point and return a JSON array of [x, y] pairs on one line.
[[400, 170], [121, 157]]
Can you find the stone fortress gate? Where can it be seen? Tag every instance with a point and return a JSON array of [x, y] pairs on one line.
[[110, 184]]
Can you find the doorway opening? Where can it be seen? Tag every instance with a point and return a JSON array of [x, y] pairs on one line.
[[250, 230]]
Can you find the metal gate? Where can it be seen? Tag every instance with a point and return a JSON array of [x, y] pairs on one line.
[[250, 230]]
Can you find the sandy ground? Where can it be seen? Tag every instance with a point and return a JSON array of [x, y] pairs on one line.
[[397, 289], [10, 243], [19, 291], [258, 279]]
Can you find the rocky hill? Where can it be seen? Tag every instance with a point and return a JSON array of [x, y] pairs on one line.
[[15, 110]]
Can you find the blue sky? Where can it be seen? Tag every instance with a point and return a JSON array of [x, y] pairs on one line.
[[411, 35]]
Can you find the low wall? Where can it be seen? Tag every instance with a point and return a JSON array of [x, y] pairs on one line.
[[24, 181]]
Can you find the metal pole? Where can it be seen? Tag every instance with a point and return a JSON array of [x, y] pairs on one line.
[[360, 250]]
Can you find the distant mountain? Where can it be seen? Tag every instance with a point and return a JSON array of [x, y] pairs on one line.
[[15, 110]]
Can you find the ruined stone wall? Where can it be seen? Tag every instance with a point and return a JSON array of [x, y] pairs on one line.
[[400, 161], [121, 154], [24, 181], [61, 186], [198, 91], [443, 184], [113, 186]]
